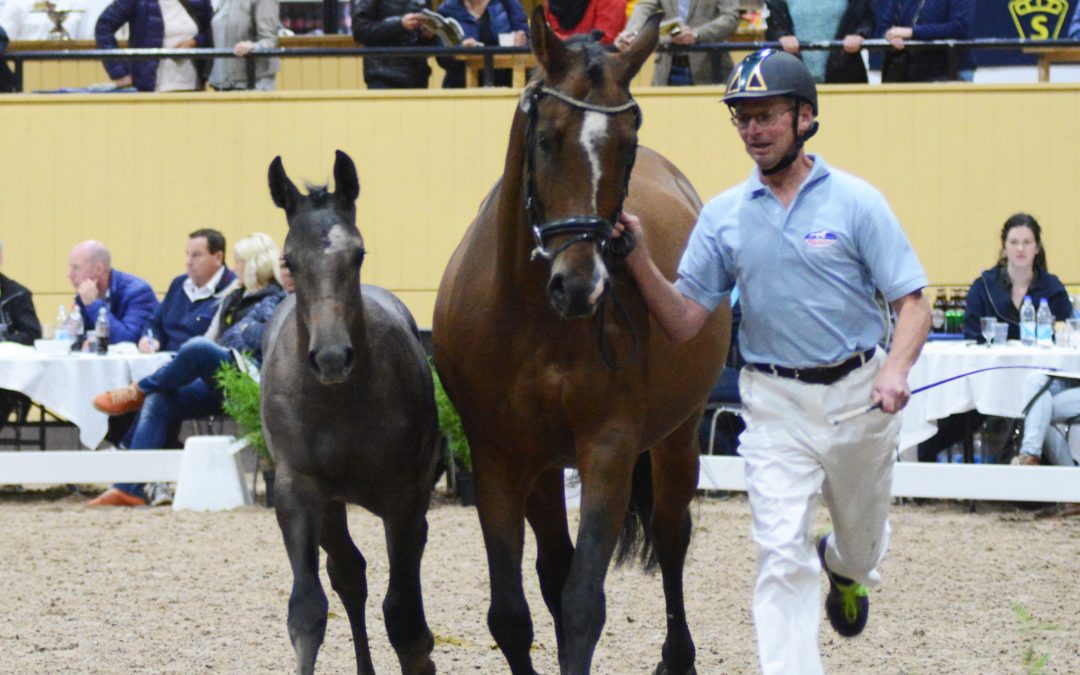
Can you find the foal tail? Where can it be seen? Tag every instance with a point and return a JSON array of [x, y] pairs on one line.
[[636, 538]]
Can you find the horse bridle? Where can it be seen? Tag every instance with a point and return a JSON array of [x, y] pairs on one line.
[[591, 227]]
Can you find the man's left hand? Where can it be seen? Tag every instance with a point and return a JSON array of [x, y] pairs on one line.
[[686, 36], [891, 390], [88, 291]]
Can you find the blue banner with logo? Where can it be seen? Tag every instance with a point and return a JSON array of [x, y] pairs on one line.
[[1027, 19]]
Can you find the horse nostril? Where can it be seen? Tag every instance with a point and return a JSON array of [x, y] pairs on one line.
[[557, 288], [348, 357], [313, 361]]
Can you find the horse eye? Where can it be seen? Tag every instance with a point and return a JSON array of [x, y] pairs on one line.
[[290, 265], [544, 142], [360, 253]]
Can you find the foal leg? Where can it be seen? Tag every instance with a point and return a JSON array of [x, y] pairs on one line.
[[546, 512], [403, 607], [299, 504], [500, 505], [675, 468], [605, 496], [348, 577]]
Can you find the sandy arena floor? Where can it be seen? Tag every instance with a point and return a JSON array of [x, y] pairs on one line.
[[152, 590]]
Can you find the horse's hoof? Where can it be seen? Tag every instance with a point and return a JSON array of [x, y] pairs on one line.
[[661, 669]]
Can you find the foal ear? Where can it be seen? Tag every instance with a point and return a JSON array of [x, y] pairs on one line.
[[282, 190], [631, 59], [550, 51], [346, 183]]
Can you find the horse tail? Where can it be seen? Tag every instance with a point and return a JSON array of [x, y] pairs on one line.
[[635, 540]]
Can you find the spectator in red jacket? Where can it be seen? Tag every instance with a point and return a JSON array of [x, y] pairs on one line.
[[573, 17]]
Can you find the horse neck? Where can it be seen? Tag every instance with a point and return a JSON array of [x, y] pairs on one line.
[[514, 240]]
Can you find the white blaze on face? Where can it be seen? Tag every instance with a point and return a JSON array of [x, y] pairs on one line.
[[337, 239], [593, 133]]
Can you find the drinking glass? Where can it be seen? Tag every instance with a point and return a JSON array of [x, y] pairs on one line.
[[1001, 333], [1074, 332], [987, 324]]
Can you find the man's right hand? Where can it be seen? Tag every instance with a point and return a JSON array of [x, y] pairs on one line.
[[148, 346], [630, 223]]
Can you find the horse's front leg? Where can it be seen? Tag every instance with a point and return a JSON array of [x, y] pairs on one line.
[[546, 512], [299, 504], [605, 494], [348, 576], [500, 501], [403, 607], [675, 467]]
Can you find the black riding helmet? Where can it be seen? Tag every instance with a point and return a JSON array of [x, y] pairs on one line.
[[769, 73]]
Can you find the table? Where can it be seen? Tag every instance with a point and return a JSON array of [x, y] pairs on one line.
[[996, 392], [1049, 55], [519, 63], [66, 385]]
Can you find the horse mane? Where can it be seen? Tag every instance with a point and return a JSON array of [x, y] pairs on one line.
[[319, 195], [594, 53]]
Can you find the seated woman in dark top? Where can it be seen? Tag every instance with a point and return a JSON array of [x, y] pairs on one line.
[[999, 292], [1020, 270], [483, 21]]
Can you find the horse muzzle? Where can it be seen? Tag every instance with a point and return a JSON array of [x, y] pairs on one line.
[[575, 295]]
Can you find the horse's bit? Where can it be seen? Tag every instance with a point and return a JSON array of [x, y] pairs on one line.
[[584, 227]]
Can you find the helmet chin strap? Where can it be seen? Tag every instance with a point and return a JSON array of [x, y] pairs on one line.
[[792, 154]]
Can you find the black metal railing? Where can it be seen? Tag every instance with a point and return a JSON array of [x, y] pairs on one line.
[[489, 52]]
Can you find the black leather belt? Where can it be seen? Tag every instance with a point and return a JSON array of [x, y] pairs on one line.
[[680, 60], [823, 375]]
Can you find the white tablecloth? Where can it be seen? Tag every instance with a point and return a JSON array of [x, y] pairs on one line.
[[996, 392], [67, 385]]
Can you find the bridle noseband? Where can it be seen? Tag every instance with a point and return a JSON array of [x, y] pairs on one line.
[[592, 227]]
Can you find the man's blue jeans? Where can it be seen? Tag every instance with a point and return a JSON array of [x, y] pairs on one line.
[[181, 389]]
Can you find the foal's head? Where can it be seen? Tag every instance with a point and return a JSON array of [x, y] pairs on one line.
[[323, 252], [580, 145]]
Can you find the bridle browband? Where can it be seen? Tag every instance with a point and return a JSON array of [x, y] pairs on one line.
[[592, 227]]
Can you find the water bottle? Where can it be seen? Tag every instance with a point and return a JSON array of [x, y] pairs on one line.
[[102, 330], [75, 326], [61, 332], [1027, 322], [1044, 325]]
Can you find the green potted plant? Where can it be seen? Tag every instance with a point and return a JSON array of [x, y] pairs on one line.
[[241, 402], [459, 462]]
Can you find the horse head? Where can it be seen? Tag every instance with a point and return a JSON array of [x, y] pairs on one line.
[[580, 146], [324, 252]]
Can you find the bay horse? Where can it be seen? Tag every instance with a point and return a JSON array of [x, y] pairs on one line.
[[348, 409], [556, 363]]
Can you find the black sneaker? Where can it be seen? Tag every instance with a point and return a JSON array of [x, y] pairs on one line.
[[848, 603]]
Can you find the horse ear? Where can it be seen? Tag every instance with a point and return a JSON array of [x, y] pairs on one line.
[[346, 182], [633, 57], [282, 190], [550, 51]]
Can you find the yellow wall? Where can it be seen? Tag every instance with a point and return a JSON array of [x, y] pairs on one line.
[[139, 172]]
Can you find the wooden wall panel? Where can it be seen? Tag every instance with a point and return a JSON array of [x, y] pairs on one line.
[[140, 172]]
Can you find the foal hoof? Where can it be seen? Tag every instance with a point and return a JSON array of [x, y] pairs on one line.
[[661, 669]]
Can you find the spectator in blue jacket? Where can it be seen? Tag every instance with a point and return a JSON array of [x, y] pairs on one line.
[[483, 21], [930, 20], [171, 24], [192, 299], [185, 388], [128, 300]]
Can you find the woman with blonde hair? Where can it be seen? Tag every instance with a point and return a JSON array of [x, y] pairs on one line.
[[185, 388]]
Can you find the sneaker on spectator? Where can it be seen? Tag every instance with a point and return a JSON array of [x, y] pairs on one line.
[[159, 494], [848, 604], [1025, 460], [121, 400]]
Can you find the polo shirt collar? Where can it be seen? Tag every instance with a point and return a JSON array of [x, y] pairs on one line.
[[818, 172], [202, 293]]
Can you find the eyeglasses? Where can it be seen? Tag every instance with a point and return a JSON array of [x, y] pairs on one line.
[[768, 118]]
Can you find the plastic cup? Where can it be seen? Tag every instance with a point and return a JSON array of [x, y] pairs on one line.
[[506, 39]]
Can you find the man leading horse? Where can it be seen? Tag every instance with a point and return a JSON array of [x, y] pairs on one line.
[[807, 245]]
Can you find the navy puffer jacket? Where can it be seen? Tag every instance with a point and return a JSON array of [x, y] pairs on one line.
[[147, 31]]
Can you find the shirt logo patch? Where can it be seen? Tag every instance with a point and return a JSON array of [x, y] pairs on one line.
[[820, 239]]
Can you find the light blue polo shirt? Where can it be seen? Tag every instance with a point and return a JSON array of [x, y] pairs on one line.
[[806, 274]]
